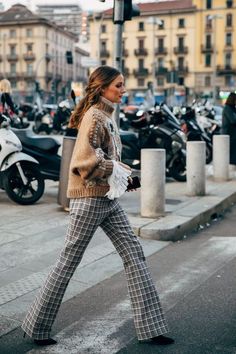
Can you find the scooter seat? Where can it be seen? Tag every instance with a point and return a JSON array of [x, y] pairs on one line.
[[28, 138]]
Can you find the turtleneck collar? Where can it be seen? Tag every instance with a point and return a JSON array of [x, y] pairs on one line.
[[106, 105]]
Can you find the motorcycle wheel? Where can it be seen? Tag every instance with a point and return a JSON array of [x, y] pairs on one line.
[[178, 169], [208, 154], [20, 193]]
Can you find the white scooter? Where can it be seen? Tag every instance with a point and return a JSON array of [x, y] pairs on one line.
[[20, 176]]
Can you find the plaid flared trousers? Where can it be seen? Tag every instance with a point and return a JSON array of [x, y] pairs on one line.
[[86, 214]]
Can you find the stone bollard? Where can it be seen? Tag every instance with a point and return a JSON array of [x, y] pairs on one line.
[[221, 157], [153, 166], [67, 149], [196, 176]]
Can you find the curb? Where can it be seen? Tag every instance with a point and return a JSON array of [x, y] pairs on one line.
[[175, 226]]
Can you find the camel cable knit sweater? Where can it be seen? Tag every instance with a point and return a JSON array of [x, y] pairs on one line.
[[97, 144]]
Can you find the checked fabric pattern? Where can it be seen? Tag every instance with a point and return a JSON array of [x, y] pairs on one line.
[[86, 214]]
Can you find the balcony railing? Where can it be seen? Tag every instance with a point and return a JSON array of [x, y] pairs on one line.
[[226, 69], [12, 57], [228, 47], [13, 75], [161, 50], [182, 69], [141, 51], [29, 75], [140, 72], [161, 70], [181, 50], [206, 48], [29, 56], [104, 53]]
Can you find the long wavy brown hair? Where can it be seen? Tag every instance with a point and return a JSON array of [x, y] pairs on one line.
[[98, 81]]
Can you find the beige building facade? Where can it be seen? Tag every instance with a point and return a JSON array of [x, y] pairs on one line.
[[33, 49], [216, 44], [171, 43]]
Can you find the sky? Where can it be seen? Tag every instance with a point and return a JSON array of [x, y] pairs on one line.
[[86, 5]]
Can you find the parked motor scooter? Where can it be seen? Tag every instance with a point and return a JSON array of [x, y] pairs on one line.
[[20, 176], [61, 117], [44, 149], [158, 129], [43, 122]]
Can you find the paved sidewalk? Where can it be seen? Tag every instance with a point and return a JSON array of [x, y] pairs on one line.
[[31, 237]]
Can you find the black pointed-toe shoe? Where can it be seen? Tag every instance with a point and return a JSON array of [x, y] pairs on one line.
[[162, 340], [48, 341]]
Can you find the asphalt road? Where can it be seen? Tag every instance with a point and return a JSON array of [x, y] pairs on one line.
[[196, 281]]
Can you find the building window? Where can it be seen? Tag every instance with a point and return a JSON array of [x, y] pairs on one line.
[[13, 68], [160, 63], [181, 81], [103, 46], [141, 82], [30, 85], [160, 81], [13, 84], [29, 32], [104, 29], [229, 4], [181, 23], [29, 47], [12, 49], [228, 39], [103, 62], [181, 42], [208, 4], [141, 43], [208, 41], [160, 43], [29, 68], [228, 58], [207, 81], [208, 59], [141, 63], [229, 81], [161, 24], [180, 63], [12, 33], [208, 22], [141, 26], [229, 20]]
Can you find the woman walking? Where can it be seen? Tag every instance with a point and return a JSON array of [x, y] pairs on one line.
[[96, 179], [229, 124]]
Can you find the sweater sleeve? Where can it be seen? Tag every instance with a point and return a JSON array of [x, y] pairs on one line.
[[88, 159]]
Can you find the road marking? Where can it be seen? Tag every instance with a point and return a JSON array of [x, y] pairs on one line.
[[99, 335]]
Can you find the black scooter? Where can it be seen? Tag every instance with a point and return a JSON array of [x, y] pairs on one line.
[[158, 129], [44, 150]]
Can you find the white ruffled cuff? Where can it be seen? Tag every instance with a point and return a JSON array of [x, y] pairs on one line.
[[118, 181]]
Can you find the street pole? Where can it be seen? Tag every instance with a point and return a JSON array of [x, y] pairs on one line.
[[118, 17], [214, 18], [154, 57], [214, 61]]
